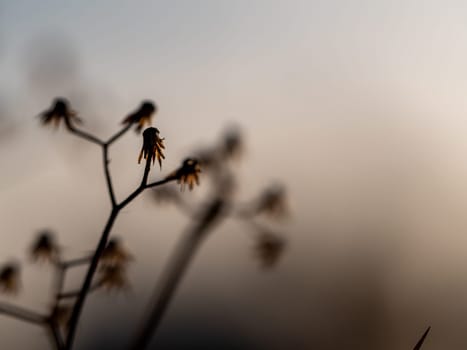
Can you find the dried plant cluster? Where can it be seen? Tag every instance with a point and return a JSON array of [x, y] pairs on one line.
[[106, 267]]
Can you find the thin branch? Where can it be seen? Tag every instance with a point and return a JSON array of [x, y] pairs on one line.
[[82, 134], [175, 270], [76, 262], [105, 154], [75, 293], [22, 313], [419, 344], [166, 287], [118, 134], [56, 336], [88, 279]]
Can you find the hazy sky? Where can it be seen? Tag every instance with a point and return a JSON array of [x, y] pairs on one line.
[[358, 106]]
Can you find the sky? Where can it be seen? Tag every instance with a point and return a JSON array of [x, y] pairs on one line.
[[357, 107]]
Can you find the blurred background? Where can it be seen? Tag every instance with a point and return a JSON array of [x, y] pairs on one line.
[[357, 107]]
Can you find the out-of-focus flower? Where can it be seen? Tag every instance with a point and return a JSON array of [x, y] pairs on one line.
[[61, 315], [208, 158], [232, 143], [269, 248], [44, 248], [273, 202], [187, 174], [142, 116], [152, 146], [165, 194], [10, 278], [115, 254], [60, 110], [113, 277]]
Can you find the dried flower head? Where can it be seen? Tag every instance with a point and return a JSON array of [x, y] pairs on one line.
[[60, 110], [115, 254], [113, 277], [44, 248], [187, 174], [232, 143], [269, 248], [142, 116], [61, 315], [10, 278], [152, 146], [273, 202]]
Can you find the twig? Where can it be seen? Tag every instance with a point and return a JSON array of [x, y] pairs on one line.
[[82, 134], [75, 293], [76, 262], [22, 314], [419, 344], [56, 336], [108, 178]]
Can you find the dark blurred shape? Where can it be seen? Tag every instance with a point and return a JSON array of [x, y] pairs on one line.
[[115, 254], [152, 146], [187, 174], [232, 143], [269, 248], [273, 202], [10, 278], [44, 247], [142, 116], [419, 344], [166, 194], [60, 110]]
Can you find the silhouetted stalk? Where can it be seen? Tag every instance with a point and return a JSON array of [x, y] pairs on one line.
[[105, 153], [174, 272], [75, 293], [419, 344], [56, 336], [88, 280]]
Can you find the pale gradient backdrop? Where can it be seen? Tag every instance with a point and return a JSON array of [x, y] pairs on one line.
[[359, 107]]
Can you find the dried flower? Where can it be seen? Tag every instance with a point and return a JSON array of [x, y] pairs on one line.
[[273, 202], [10, 279], [115, 254], [232, 143], [142, 116], [269, 248], [44, 248], [59, 111], [152, 146], [113, 277], [61, 315], [187, 174]]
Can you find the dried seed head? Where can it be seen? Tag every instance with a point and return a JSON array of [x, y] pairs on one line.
[[232, 144], [44, 248], [273, 202], [187, 174], [59, 111], [10, 278], [269, 248], [113, 277], [115, 254], [142, 116], [152, 146]]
